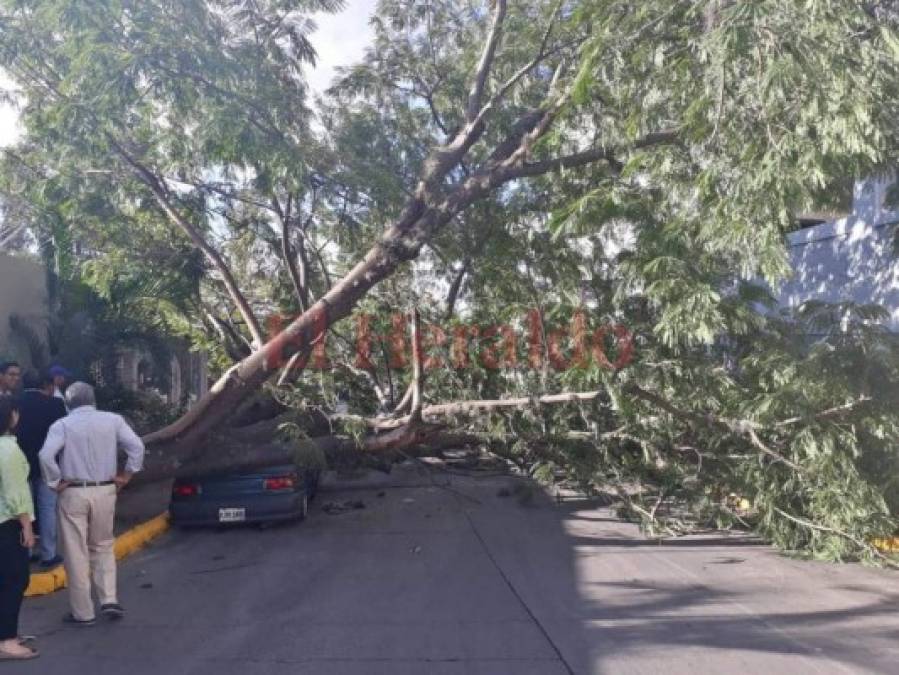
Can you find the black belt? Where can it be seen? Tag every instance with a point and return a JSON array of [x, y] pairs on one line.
[[88, 483]]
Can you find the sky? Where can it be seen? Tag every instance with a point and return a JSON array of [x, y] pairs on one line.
[[340, 40], [9, 128]]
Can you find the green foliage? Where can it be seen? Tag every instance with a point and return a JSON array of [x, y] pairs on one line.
[[145, 412], [765, 105], [208, 100], [309, 457]]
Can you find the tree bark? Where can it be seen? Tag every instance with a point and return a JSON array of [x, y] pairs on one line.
[[297, 273], [227, 454], [454, 289], [418, 371], [486, 61], [472, 407]]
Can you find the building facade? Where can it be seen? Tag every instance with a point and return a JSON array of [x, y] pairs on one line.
[[849, 259], [24, 325]]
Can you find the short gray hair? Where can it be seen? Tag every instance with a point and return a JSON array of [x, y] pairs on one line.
[[79, 394]]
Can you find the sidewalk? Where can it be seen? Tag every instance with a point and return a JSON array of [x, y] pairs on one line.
[[139, 504], [137, 514]]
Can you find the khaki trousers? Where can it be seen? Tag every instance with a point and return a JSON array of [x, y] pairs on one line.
[[85, 531]]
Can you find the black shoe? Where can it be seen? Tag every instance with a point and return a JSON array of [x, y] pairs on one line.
[[113, 611], [55, 561], [70, 618]]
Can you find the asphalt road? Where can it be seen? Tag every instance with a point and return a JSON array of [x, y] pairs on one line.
[[455, 579]]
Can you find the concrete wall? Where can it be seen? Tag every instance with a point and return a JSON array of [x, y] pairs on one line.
[[850, 259], [23, 293]]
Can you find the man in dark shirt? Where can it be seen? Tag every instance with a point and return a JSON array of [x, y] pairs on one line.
[[38, 409]]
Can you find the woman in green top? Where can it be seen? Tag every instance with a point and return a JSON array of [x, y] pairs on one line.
[[16, 535]]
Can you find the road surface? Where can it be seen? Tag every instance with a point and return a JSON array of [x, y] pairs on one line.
[[442, 575]]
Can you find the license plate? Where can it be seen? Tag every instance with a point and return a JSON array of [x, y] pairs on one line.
[[232, 515]]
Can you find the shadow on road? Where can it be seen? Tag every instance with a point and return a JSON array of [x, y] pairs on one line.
[[440, 574]]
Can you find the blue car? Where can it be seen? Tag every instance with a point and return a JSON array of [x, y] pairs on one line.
[[260, 496]]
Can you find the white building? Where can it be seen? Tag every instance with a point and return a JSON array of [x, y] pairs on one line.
[[853, 258]]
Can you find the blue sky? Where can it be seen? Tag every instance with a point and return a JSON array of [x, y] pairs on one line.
[[340, 40]]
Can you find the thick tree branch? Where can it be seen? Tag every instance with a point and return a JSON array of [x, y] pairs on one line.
[[232, 454], [486, 61], [592, 156], [459, 408], [297, 275], [405, 401], [745, 428], [235, 346], [418, 372], [150, 179], [830, 413], [454, 289], [541, 54]]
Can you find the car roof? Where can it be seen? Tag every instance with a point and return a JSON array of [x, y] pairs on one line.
[[261, 472]]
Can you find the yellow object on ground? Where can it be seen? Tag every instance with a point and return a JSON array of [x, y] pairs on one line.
[[890, 545], [126, 543]]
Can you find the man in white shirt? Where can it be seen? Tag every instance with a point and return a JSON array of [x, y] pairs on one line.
[[87, 478]]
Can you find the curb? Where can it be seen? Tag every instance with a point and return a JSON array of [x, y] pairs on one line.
[[44, 583]]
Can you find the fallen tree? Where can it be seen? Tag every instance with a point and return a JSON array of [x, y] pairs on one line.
[[642, 158]]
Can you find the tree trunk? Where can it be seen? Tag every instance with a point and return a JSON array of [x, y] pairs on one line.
[[470, 407], [431, 208], [243, 452], [244, 378]]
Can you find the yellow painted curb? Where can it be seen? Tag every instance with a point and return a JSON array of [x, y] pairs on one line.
[[43, 583]]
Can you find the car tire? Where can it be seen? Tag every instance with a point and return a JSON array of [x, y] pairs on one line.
[[304, 508]]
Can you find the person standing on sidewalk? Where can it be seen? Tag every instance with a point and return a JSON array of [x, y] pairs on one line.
[[16, 535], [38, 410], [87, 479]]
